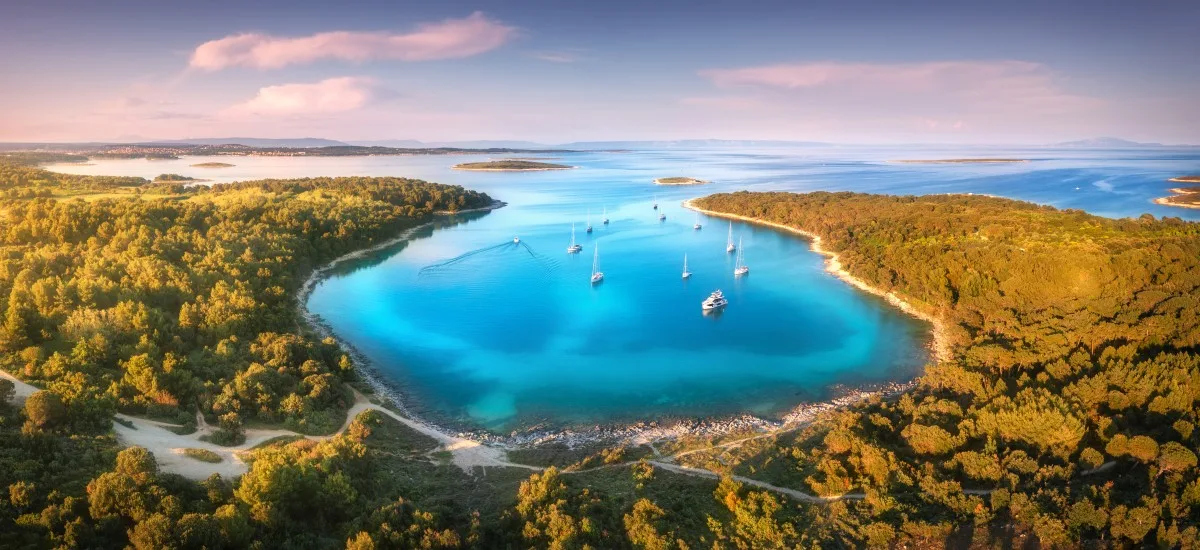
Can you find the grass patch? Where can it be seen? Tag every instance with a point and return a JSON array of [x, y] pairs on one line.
[[203, 455]]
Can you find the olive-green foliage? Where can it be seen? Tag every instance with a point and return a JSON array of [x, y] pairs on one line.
[[1068, 333]]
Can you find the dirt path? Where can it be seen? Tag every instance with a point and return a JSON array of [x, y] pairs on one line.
[[168, 446], [23, 390]]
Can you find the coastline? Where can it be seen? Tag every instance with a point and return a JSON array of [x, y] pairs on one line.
[[939, 345], [1166, 201], [959, 161]]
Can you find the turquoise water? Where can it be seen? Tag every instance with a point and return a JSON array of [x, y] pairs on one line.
[[477, 329]]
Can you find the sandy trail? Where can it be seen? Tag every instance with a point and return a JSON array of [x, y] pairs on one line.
[[168, 446]]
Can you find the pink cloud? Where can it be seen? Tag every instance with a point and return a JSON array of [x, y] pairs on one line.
[[939, 96], [333, 95], [452, 38]]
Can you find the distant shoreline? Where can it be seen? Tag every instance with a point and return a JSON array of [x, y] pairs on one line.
[[960, 161], [213, 165], [1185, 179], [940, 346]]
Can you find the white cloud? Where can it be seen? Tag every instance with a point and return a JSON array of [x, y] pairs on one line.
[[332, 95], [448, 39]]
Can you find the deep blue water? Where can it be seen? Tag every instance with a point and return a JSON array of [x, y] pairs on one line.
[[477, 329]]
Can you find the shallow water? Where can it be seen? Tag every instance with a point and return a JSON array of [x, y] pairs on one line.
[[477, 329]]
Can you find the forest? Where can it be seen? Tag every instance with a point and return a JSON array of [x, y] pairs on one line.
[[1068, 410], [1065, 417]]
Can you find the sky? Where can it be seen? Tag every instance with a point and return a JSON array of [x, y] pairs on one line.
[[885, 72]]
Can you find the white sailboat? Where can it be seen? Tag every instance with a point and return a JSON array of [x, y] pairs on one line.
[[740, 268], [605, 221], [656, 202], [697, 225], [686, 273], [516, 240], [729, 241], [574, 248], [597, 275], [662, 216], [589, 220]]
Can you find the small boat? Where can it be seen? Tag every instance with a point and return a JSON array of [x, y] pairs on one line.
[[516, 240], [605, 222], [729, 241], [716, 300], [740, 268], [656, 202], [662, 217], [597, 275], [573, 248], [697, 224], [686, 273], [589, 220]]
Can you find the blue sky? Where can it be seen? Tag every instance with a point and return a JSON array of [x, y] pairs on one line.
[[854, 72]]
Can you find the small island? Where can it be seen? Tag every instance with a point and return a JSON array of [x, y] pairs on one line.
[[679, 180], [510, 165], [212, 165], [960, 161], [1186, 179]]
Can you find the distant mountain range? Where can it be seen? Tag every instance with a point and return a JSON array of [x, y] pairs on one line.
[[1106, 143], [250, 142]]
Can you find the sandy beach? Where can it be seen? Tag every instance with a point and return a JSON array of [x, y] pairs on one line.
[[939, 346]]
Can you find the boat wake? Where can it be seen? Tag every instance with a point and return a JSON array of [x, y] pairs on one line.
[[455, 265]]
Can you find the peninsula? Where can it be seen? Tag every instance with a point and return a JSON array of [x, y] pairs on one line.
[[679, 180], [510, 165], [960, 161], [1186, 179], [213, 165], [1183, 197]]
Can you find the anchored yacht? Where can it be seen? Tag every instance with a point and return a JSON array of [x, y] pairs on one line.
[[597, 275], [574, 248], [740, 268], [716, 300], [516, 240], [589, 220], [729, 240], [656, 202], [686, 273], [697, 225], [605, 221]]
